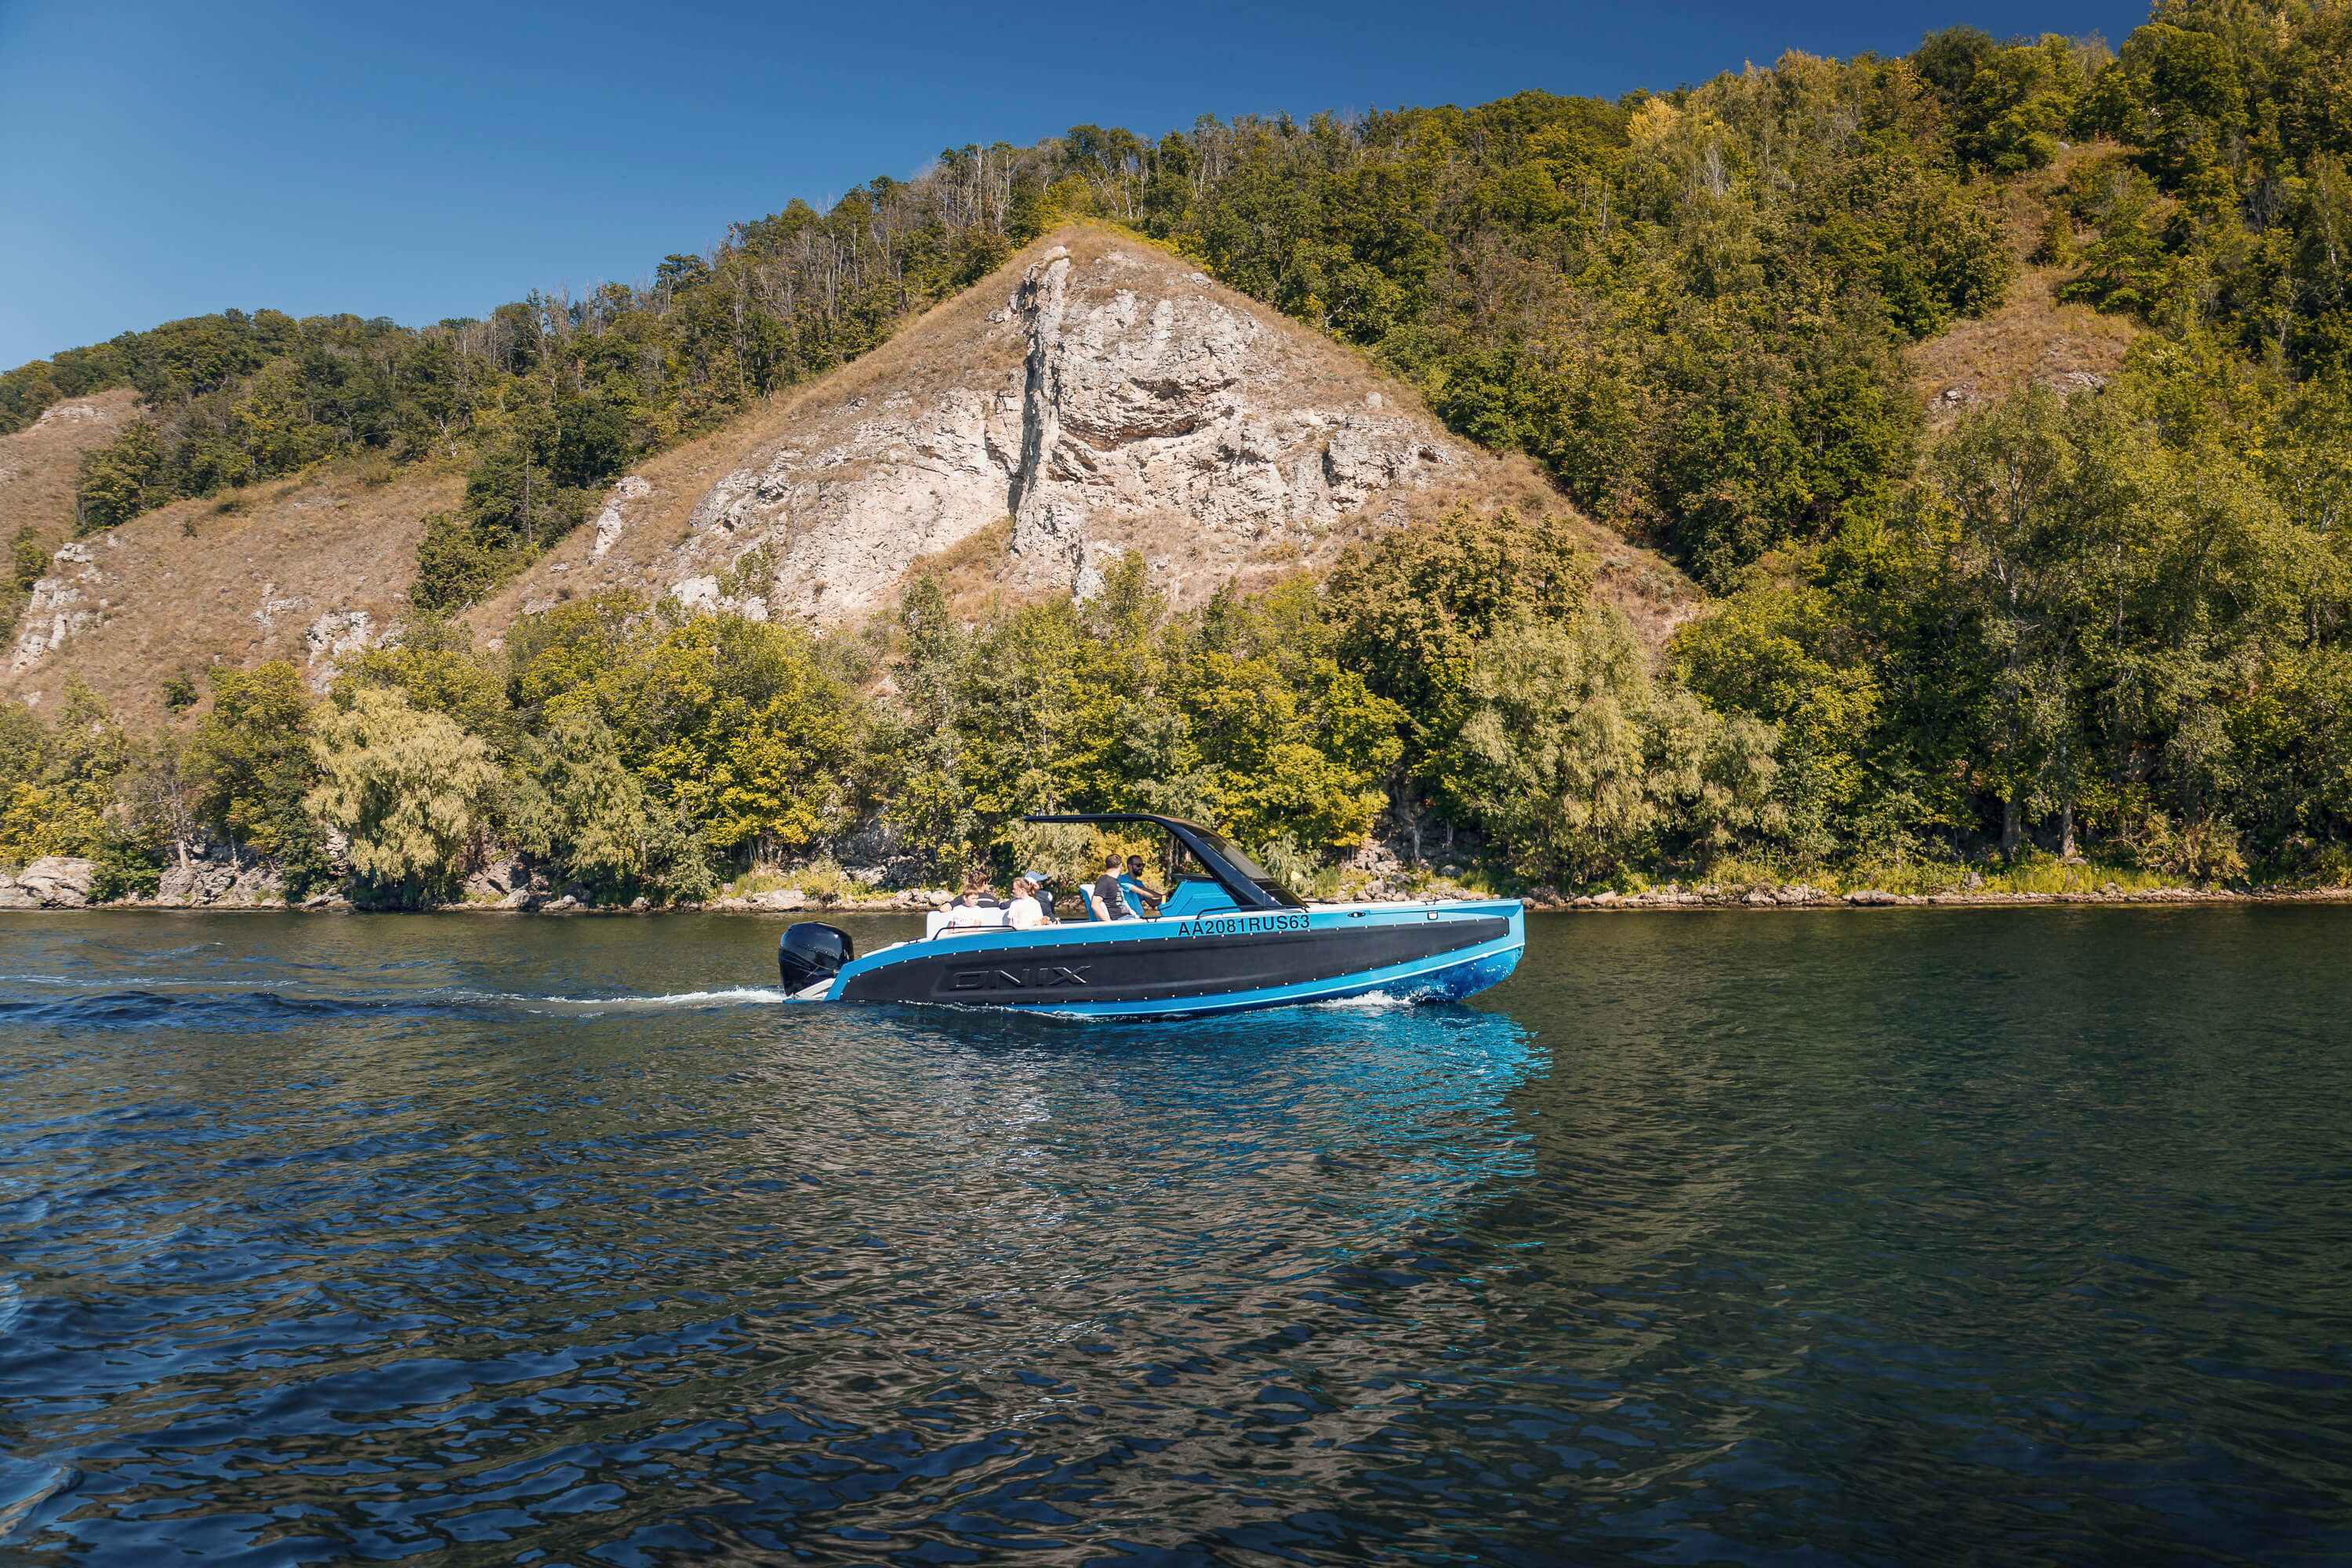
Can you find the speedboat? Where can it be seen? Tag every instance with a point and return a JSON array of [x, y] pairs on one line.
[[1229, 938]]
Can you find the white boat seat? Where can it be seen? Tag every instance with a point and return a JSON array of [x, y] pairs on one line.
[[940, 920]]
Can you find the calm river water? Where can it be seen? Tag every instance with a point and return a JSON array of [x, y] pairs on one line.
[[2002, 1236]]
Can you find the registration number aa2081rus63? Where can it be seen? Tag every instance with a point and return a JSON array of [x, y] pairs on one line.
[[1241, 925]]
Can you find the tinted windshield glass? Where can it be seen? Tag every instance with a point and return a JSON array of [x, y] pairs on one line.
[[1225, 850]]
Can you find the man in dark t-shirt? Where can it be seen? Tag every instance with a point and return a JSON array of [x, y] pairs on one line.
[[1108, 899]]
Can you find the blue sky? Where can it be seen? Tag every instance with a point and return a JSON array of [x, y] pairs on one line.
[[431, 158]]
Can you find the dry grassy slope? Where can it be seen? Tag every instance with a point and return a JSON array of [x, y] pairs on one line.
[[40, 464], [294, 569], [2032, 338], [874, 481]]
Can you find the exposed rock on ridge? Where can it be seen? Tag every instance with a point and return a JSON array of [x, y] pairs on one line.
[[311, 569], [1095, 396], [1143, 410]]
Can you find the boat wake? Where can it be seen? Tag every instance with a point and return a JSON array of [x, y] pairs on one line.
[[200, 1004], [732, 995]]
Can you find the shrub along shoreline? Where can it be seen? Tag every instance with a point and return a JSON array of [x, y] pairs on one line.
[[1454, 684]]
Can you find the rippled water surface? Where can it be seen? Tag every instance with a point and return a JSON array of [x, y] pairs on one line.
[[2001, 1236]]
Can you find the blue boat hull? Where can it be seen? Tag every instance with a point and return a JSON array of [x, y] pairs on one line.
[[1218, 962]]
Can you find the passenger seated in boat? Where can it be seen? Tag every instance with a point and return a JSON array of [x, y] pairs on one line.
[[976, 910], [1106, 899], [1043, 894], [1139, 892], [1024, 912]]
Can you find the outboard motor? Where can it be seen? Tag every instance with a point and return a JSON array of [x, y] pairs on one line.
[[812, 951]]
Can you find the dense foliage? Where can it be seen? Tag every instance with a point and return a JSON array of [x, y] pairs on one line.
[[2123, 615], [634, 749]]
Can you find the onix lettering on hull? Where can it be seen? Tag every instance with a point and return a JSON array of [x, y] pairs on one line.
[[1042, 977]]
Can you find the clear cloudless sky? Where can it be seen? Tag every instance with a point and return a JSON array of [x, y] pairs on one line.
[[428, 159]]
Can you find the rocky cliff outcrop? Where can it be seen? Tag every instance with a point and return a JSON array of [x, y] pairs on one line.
[[64, 602], [1142, 407], [52, 882], [1121, 402], [1096, 396], [220, 875]]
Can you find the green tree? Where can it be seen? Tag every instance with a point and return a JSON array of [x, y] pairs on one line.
[[1284, 742], [456, 565], [411, 792], [35, 821], [571, 647], [2021, 99], [250, 761], [120, 479], [2125, 266], [578, 805], [1580, 766], [736, 724], [1411, 605], [64, 779], [29, 560], [433, 665], [928, 802]]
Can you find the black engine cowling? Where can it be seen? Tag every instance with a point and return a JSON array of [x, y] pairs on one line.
[[812, 951]]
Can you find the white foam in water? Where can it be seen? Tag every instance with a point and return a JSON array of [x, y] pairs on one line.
[[1369, 1001], [677, 999]]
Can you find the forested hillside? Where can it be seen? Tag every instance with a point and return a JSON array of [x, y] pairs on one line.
[[2081, 620]]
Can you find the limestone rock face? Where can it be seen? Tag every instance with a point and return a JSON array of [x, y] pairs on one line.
[[218, 875], [1142, 411], [57, 881], [1134, 405], [65, 601], [1093, 397], [614, 522]]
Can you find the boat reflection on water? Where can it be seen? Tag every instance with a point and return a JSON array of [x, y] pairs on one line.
[[1152, 1252]]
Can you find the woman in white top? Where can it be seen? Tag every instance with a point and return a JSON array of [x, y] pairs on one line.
[[1025, 914]]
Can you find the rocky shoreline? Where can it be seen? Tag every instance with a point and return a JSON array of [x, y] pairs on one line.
[[69, 882], [64, 882]]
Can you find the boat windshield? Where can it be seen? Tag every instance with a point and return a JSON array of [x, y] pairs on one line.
[[1225, 848], [1251, 884], [1230, 853]]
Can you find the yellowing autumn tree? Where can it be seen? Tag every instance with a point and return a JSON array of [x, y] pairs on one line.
[[411, 791]]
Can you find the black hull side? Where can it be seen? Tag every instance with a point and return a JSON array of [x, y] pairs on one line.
[[1156, 969]]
